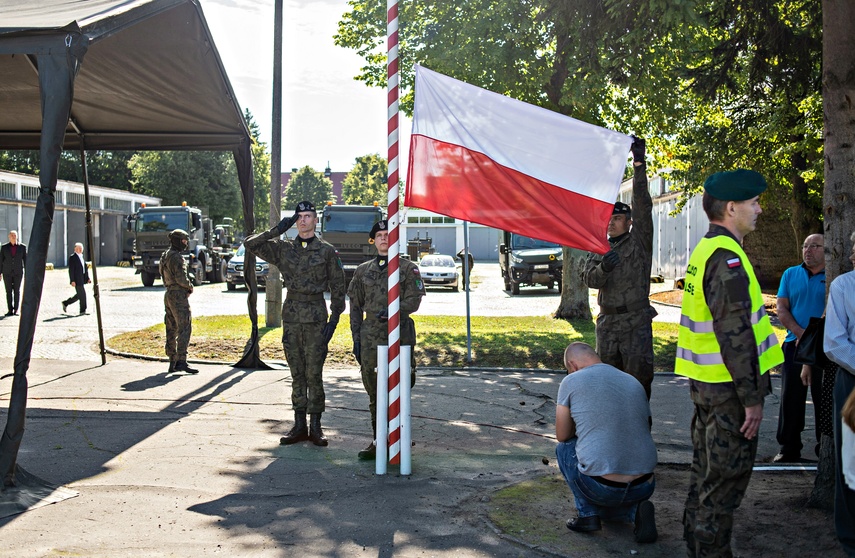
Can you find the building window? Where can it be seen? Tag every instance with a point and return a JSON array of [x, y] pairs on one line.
[[29, 193], [122, 206], [74, 199], [7, 191]]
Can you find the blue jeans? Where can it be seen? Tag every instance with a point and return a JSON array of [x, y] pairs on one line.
[[594, 498]]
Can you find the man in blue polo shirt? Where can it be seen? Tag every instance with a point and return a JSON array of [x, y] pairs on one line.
[[801, 296]]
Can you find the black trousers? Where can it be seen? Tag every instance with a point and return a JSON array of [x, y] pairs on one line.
[[79, 295], [13, 291], [791, 415]]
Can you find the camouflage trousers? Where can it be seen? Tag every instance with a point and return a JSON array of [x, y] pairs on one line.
[[722, 460], [305, 352], [375, 333], [177, 320], [626, 342]]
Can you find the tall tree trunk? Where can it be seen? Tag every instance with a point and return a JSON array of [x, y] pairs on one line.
[[574, 303], [838, 95]]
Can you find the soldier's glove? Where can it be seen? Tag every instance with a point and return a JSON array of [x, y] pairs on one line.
[[383, 315], [357, 351], [329, 329], [286, 223], [639, 147], [610, 261]]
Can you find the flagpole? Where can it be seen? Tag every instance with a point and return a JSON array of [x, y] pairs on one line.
[[392, 80]]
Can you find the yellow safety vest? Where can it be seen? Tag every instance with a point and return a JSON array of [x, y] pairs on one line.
[[698, 350]]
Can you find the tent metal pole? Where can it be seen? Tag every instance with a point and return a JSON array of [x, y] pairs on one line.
[[92, 252]]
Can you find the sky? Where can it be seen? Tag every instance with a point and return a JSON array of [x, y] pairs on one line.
[[327, 116]]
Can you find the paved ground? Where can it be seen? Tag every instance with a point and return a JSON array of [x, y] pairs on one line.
[[176, 465]]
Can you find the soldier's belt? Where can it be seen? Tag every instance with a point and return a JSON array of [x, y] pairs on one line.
[[300, 297], [631, 307]]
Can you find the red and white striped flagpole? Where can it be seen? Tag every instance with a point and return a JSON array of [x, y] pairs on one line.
[[392, 78]]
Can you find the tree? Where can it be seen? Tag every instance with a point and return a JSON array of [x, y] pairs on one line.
[[205, 179], [838, 63], [105, 168], [260, 175], [306, 184], [366, 182]]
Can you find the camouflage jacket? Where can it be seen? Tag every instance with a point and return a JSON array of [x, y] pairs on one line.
[[308, 268], [726, 293], [629, 282], [368, 294], [173, 269]]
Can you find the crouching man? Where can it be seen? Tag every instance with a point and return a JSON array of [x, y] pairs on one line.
[[605, 450]]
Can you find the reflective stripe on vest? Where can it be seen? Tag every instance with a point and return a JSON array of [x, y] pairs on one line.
[[698, 350]]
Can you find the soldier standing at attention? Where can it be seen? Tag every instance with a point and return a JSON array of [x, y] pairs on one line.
[[176, 279], [309, 267], [369, 302], [726, 346], [624, 325]]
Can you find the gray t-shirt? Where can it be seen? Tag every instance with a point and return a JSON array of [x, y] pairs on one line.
[[611, 413]]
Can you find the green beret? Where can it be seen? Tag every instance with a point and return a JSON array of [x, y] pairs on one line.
[[735, 185]]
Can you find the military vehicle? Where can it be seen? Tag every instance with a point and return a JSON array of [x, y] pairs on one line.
[[207, 253], [527, 261], [346, 227]]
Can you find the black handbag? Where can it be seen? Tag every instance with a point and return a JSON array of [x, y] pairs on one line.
[[810, 348]]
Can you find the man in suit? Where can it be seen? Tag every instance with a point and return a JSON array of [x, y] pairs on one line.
[[13, 258], [78, 275]]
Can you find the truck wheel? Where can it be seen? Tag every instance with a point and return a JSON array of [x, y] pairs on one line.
[[507, 283], [198, 276], [147, 278], [550, 285], [219, 272], [230, 286], [560, 286], [515, 288]]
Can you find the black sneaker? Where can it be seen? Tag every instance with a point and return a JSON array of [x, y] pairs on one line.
[[645, 523]]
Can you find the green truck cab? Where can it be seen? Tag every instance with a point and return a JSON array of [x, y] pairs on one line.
[[208, 250], [346, 227], [527, 261]]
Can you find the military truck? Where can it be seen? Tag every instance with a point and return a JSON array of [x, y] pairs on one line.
[[527, 261], [346, 227], [207, 255]]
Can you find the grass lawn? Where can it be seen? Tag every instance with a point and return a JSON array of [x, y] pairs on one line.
[[511, 342]]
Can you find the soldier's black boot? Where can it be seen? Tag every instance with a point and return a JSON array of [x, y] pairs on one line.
[[299, 433], [316, 435], [371, 451], [171, 367], [182, 366]]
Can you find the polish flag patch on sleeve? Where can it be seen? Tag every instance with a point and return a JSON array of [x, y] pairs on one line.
[[734, 262]]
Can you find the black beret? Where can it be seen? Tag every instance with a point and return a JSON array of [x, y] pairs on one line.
[[380, 225], [621, 209], [305, 206], [735, 185]]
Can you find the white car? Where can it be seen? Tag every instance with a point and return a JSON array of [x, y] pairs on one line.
[[234, 271], [440, 270]]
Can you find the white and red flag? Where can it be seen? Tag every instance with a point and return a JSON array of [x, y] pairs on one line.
[[486, 158]]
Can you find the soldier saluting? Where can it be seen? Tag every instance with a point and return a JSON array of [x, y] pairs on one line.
[[369, 302], [309, 267], [625, 322]]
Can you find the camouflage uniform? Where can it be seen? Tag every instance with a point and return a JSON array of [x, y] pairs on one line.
[[368, 294], [624, 325], [176, 279], [722, 457], [308, 268]]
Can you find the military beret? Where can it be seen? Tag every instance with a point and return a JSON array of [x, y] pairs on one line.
[[735, 185], [380, 225], [304, 206], [621, 209]]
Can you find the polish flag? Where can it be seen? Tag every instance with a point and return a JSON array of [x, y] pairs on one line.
[[486, 158]]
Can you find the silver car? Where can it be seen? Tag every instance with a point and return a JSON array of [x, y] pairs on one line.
[[234, 272], [440, 270]]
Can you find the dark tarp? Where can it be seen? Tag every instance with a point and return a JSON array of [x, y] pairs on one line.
[[111, 75]]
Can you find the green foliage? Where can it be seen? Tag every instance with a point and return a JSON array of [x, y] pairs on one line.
[[205, 179], [260, 175], [105, 168], [366, 182], [306, 184]]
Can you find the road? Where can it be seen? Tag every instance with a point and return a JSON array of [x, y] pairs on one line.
[[128, 306]]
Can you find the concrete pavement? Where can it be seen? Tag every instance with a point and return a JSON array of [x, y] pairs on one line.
[[180, 465]]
